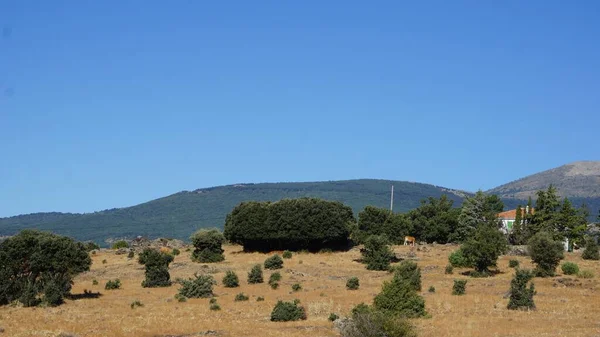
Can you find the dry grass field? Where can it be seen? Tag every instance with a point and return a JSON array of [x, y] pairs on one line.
[[561, 310]]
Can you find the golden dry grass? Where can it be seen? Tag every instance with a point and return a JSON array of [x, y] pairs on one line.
[[561, 311]]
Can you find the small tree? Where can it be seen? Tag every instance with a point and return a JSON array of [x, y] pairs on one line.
[[590, 252], [521, 297], [157, 268], [231, 280], [255, 275], [399, 298], [459, 287], [207, 244], [377, 253], [274, 262], [352, 283], [484, 247], [410, 272], [545, 253], [201, 286], [288, 311]]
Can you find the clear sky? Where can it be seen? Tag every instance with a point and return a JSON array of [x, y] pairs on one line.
[[112, 103]]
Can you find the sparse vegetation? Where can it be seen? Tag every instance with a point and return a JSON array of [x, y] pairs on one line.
[[586, 274], [449, 269], [120, 244], [136, 304], [112, 285], [570, 268], [201, 286], [157, 268], [231, 280], [241, 297], [513, 263], [352, 283], [207, 246], [274, 262], [459, 287], [288, 311], [546, 253], [255, 275], [521, 297]]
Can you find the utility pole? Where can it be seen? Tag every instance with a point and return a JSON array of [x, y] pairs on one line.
[[392, 201]]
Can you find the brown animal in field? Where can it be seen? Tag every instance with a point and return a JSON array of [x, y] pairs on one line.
[[409, 240]]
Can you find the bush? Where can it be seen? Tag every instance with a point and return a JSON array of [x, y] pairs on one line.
[[586, 274], [399, 298], [207, 244], [590, 252], [215, 307], [112, 285], [287, 311], [545, 253], [89, 246], [570, 268], [368, 322], [513, 263], [104, 261], [296, 287], [260, 299], [431, 289], [120, 244], [135, 304], [264, 226], [241, 297], [201, 286], [377, 253], [95, 282], [520, 296], [332, 317], [458, 260], [176, 252], [255, 275], [352, 283], [274, 285], [287, 254], [181, 298], [449, 270], [410, 272], [33, 263], [157, 268], [274, 262], [212, 300], [231, 280], [275, 277], [459, 287], [131, 255], [482, 249]]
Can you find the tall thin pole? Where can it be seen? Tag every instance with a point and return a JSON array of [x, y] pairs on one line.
[[392, 200]]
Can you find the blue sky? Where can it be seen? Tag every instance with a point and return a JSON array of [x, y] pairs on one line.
[[111, 103]]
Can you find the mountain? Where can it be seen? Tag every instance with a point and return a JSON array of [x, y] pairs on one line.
[[180, 214]]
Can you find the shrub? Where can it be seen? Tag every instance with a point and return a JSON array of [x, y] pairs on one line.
[[176, 252], [241, 297], [207, 244], [431, 289], [590, 252], [482, 249], [459, 287], [120, 244], [410, 272], [136, 303], [513, 263], [201, 286], [287, 254], [231, 280], [53, 293], [288, 311], [111, 285], [368, 322], [264, 226], [545, 253], [274, 285], [570, 268], [399, 298], [274, 262], [586, 274], [104, 261], [296, 287], [275, 277], [89, 246], [212, 300], [95, 282], [520, 296], [255, 275], [377, 253], [458, 260], [157, 268], [215, 307], [332, 317], [449, 269], [352, 283], [260, 299], [181, 298], [131, 255]]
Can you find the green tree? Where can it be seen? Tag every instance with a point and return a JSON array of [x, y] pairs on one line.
[[157, 268], [517, 234], [546, 253], [591, 250], [399, 298], [476, 211], [546, 213], [377, 253], [207, 246], [520, 296], [434, 220], [571, 223], [34, 263], [483, 248]]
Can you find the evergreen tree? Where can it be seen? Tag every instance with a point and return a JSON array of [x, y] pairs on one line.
[[157, 268], [546, 212], [377, 253], [546, 253], [520, 296], [591, 250], [476, 211], [571, 223], [517, 232], [483, 248]]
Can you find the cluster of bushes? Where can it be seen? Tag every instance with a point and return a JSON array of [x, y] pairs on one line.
[[38, 267], [157, 268], [207, 246], [292, 224], [112, 285]]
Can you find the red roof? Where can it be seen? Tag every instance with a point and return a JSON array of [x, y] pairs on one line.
[[512, 214]]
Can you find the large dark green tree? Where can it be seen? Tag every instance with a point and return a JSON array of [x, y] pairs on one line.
[[546, 253], [483, 248], [157, 268], [39, 267], [207, 246], [517, 234], [476, 211], [434, 220], [380, 221]]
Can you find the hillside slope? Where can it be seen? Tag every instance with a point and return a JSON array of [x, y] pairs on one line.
[[180, 214]]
